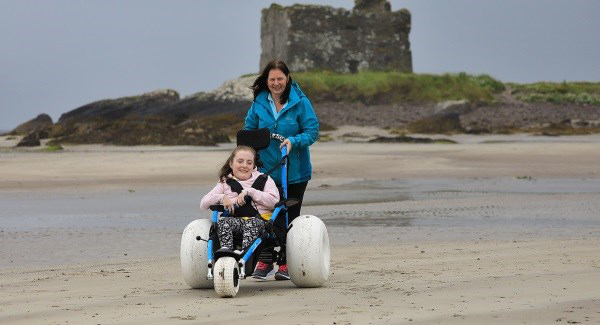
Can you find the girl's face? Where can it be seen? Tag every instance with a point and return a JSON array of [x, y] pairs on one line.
[[276, 81], [242, 164]]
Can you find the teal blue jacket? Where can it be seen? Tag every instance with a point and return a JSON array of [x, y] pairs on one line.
[[297, 122]]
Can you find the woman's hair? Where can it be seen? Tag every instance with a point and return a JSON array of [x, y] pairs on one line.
[[226, 169], [260, 83]]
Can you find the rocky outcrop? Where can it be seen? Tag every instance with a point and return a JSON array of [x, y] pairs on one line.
[[41, 122], [452, 106], [311, 37], [440, 123], [498, 117], [146, 130], [151, 103], [159, 117], [207, 118], [233, 97], [33, 139], [236, 90]]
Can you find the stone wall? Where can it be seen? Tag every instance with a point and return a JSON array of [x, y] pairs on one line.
[[309, 37]]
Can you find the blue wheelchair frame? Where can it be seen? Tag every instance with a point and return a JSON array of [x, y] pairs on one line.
[[281, 206]]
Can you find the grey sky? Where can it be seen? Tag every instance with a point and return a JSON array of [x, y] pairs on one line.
[[57, 55]]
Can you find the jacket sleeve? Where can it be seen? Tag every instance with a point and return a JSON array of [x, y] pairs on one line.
[[215, 196], [268, 197], [309, 126], [251, 121]]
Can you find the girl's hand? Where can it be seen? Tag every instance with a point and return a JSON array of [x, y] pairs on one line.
[[287, 143], [241, 198], [228, 204]]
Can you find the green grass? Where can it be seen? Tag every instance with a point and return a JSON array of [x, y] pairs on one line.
[[580, 93], [54, 148], [378, 87], [388, 87]]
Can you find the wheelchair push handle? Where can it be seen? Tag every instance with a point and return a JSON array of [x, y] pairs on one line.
[[281, 138]]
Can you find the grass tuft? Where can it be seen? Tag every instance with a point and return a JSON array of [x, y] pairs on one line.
[[54, 148], [379, 87], [581, 93]]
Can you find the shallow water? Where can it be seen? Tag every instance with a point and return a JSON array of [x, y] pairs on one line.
[[62, 227]]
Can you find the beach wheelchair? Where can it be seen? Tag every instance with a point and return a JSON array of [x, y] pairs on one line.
[[303, 244]]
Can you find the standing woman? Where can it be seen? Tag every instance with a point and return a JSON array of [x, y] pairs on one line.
[[282, 107]]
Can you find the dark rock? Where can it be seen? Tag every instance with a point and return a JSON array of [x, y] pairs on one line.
[[41, 122], [405, 139], [31, 140], [150, 130], [438, 123], [151, 103], [53, 142], [326, 127], [401, 139]]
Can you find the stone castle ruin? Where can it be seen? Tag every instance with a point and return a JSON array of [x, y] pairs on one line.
[[312, 37]]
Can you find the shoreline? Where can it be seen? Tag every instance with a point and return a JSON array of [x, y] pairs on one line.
[[471, 233], [102, 166]]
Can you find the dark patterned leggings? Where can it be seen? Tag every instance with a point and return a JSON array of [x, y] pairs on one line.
[[250, 229]]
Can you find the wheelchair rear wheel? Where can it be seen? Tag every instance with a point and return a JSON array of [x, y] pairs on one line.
[[194, 254], [308, 255]]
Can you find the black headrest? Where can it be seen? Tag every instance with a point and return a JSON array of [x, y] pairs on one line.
[[257, 139]]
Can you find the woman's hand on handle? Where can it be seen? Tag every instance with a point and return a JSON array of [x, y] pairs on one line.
[[287, 143]]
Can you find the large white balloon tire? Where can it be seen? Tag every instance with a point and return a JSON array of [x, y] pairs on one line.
[[307, 249], [194, 254], [227, 279]]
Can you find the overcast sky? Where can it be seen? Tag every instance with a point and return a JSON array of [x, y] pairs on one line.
[[57, 55]]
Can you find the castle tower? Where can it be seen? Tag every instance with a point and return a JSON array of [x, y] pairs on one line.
[[311, 37]]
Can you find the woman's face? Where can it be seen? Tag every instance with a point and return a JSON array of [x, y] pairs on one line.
[[242, 164], [276, 81]]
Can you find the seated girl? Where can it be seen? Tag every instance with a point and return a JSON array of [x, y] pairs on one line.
[[239, 178]]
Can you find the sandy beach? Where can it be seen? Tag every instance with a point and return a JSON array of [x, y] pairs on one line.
[[494, 229]]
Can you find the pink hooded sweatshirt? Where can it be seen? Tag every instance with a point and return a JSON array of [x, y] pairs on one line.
[[264, 200]]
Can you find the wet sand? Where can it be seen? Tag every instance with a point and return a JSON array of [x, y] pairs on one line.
[[501, 229]]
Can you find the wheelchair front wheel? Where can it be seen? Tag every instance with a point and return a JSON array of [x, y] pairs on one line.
[[226, 277]]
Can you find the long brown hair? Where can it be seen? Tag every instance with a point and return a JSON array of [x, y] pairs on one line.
[[260, 83], [226, 169]]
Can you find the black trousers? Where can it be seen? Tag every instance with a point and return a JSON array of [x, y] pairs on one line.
[[295, 191]]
